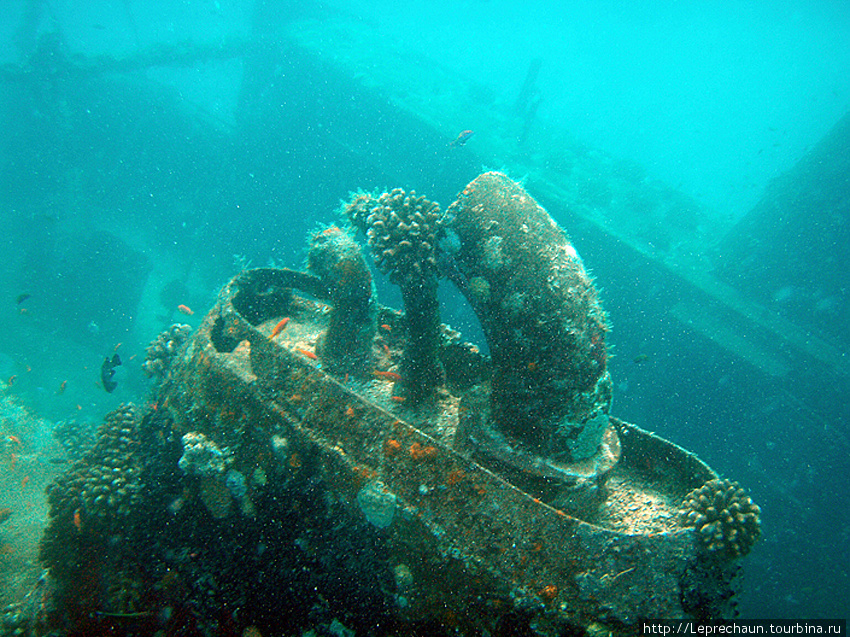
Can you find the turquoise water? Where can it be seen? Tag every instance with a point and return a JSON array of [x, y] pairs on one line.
[[130, 190]]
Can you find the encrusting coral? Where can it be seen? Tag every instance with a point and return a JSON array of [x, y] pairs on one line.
[[726, 519], [403, 230]]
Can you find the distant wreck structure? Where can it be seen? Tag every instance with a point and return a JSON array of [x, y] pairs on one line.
[[301, 466]]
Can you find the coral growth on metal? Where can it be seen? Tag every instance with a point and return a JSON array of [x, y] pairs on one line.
[[542, 318], [725, 517], [403, 230], [266, 480]]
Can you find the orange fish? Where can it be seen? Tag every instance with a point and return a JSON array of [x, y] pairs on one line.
[[279, 327], [24, 481], [397, 399], [62, 387], [307, 353], [386, 327], [15, 439], [185, 309], [387, 375], [11, 380], [78, 522]]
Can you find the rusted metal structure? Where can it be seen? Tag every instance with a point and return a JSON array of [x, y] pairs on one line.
[[463, 545], [269, 480]]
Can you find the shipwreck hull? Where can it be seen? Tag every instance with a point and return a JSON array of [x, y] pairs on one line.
[[460, 545]]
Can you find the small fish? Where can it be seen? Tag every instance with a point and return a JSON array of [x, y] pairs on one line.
[[78, 522], [22, 297], [307, 353], [392, 376], [640, 358], [12, 379], [279, 328], [62, 387], [462, 138], [185, 309], [142, 613], [25, 481], [107, 371], [58, 461], [15, 439], [386, 327], [5, 514]]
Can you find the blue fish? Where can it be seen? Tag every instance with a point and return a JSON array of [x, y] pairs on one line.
[[462, 138]]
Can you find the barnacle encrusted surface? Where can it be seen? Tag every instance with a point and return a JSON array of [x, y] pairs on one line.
[[403, 230], [161, 351], [337, 260], [540, 311], [724, 516]]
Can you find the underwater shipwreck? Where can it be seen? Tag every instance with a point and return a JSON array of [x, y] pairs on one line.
[[314, 458]]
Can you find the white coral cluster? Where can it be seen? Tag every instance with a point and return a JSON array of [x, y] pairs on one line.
[[201, 456]]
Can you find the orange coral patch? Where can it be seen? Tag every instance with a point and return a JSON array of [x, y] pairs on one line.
[[548, 593], [418, 452], [295, 460], [455, 476]]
